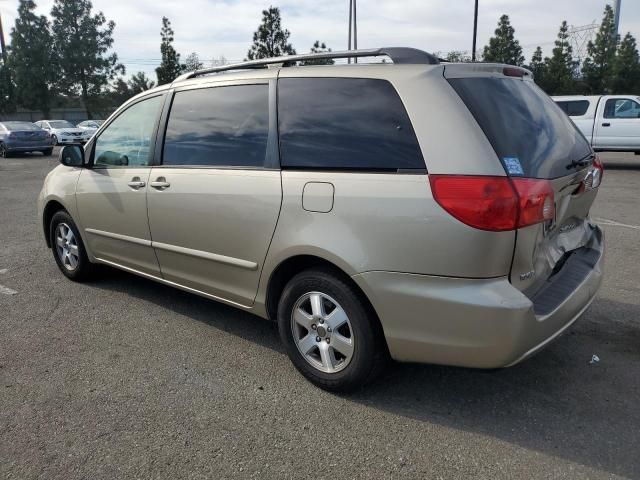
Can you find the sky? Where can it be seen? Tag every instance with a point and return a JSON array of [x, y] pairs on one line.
[[214, 28]]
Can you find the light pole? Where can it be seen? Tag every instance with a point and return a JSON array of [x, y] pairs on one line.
[[353, 22], [475, 33]]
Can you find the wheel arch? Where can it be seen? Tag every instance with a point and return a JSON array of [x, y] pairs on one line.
[[49, 211], [291, 266]]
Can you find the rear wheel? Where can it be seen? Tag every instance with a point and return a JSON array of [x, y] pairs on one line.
[[54, 140], [329, 333], [68, 249], [4, 153]]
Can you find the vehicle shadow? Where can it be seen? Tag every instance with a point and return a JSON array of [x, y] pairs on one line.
[[622, 165], [557, 403]]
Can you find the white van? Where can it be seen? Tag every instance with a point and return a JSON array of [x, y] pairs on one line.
[[610, 122]]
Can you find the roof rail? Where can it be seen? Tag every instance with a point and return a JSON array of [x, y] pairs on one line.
[[398, 55]]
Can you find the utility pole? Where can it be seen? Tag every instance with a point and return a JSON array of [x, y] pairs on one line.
[[350, 22], [353, 22], [616, 16], [475, 33], [2, 45]]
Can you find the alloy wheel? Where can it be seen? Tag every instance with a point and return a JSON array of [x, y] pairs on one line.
[[322, 332], [67, 247]]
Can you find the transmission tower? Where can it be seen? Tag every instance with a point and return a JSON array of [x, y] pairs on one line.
[[579, 38]]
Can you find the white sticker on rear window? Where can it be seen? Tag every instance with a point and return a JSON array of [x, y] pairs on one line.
[[513, 166]]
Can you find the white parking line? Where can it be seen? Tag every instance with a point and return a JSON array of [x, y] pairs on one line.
[[613, 223], [7, 290], [3, 270]]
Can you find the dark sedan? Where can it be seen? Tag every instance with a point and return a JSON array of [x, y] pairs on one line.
[[23, 137]]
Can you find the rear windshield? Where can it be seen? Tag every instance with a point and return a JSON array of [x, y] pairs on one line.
[[20, 126], [532, 136]]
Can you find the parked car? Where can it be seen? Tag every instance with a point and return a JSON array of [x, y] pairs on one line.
[[64, 132], [91, 125], [609, 122], [23, 137], [432, 212]]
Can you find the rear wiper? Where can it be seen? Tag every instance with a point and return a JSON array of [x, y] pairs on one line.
[[581, 163]]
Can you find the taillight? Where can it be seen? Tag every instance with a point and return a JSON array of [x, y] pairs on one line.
[[494, 203], [598, 172], [535, 201]]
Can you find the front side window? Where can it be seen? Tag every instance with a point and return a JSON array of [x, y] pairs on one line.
[[219, 126], [127, 140], [345, 124], [621, 108]]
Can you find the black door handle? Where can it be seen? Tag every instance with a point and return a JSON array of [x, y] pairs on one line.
[[606, 124]]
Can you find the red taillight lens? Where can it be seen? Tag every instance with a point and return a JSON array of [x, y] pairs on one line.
[[598, 173], [535, 201], [494, 203]]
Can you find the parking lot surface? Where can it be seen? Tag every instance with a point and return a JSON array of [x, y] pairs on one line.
[[126, 378]]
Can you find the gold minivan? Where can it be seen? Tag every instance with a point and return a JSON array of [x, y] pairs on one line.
[[419, 210]]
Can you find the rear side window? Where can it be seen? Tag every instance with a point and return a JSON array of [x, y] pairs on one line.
[[574, 108], [530, 134], [220, 126], [344, 123]]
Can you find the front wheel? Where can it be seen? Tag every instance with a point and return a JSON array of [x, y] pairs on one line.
[[331, 336], [68, 249], [47, 152], [4, 153]]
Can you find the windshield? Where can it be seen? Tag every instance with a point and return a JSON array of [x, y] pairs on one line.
[[532, 136], [61, 124], [20, 126]]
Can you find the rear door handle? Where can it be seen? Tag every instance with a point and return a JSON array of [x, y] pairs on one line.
[[606, 124], [136, 183], [160, 183]]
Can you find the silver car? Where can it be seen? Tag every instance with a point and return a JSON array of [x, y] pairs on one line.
[[23, 137], [418, 210]]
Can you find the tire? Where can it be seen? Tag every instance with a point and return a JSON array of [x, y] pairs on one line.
[[47, 152], [75, 266], [343, 355], [4, 153], [54, 140]]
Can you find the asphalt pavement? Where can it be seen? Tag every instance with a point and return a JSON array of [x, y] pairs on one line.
[[126, 378]]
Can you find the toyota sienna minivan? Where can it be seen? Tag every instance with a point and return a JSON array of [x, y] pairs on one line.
[[419, 210]]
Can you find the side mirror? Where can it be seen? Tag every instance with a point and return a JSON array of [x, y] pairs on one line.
[[72, 156]]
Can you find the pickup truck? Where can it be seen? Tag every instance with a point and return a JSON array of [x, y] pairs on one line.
[[609, 122]]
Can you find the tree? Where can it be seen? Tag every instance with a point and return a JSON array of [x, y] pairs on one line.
[[457, 56], [139, 83], [539, 68], [598, 66], [560, 69], [170, 67], [270, 40], [503, 47], [192, 63], [81, 41], [319, 48], [30, 58], [7, 98], [626, 68]]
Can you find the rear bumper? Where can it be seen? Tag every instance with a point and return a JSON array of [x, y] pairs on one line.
[[479, 323]]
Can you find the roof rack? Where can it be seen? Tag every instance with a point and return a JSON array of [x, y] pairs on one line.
[[398, 55]]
